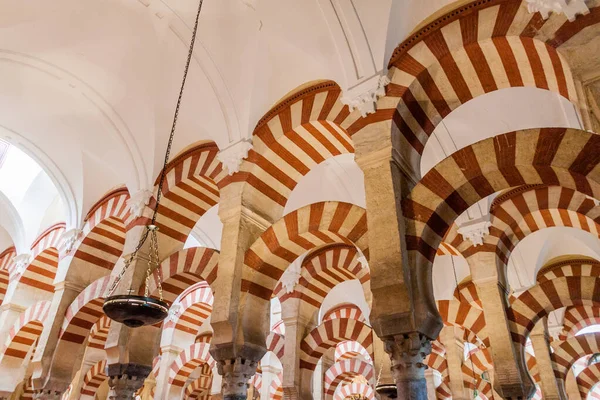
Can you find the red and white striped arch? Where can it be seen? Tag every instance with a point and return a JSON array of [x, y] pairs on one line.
[[205, 337], [464, 315], [328, 335], [438, 362], [256, 381], [467, 292], [183, 269], [569, 351], [99, 333], [276, 387], [104, 231], [578, 317], [194, 308], [554, 156], [187, 361], [355, 388], [28, 391], [478, 362], [322, 270], [279, 327], [343, 370], [350, 349], [350, 311], [26, 330], [538, 301], [84, 312], [570, 267], [6, 266], [201, 386], [587, 379], [40, 273], [446, 249], [523, 210], [298, 232], [93, 379], [276, 344], [443, 391], [301, 131], [191, 188], [475, 49]]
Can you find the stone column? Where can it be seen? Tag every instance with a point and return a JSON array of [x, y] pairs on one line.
[[455, 359], [541, 347], [511, 380], [46, 375], [408, 354], [430, 379], [168, 355], [295, 328], [125, 380], [236, 350]]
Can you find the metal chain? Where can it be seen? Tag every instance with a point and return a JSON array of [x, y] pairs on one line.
[[163, 173]]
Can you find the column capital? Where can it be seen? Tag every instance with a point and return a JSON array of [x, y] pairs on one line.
[[12, 307], [363, 97], [236, 374], [126, 379], [232, 156], [138, 202], [64, 285], [408, 353], [570, 10]]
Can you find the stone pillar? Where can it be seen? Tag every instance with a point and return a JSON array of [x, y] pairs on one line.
[[49, 372], [403, 303], [455, 359], [295, 328], [237, 350], [125, 380], [541, 347], [511, 380], [322, 367], [168, 355], [236, 374], [430, 379], [408, 354]]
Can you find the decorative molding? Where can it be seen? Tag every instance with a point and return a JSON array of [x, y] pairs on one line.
[[570, 10], [363, 261], [291, 276], [475, 230], [364, 96], [21, 262], [511, 193], [138, 201], [231, 157], [173, 315], [69, 239]]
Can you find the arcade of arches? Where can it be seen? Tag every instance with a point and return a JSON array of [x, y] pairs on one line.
[[366, 199]]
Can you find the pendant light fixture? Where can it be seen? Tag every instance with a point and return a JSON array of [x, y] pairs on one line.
[[135, 310]]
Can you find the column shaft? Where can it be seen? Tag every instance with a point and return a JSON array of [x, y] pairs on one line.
[[455, 359], [541, 348]]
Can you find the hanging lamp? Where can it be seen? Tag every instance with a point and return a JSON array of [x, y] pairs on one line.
[[133, 310]]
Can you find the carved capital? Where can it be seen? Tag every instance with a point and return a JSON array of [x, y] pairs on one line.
[[138, 201], [570, 9], [476, 230], [291, 276], [364, 97], [236, 374], [21, 262], [231, 157], [69, 239], [126, 379], [407, 353]]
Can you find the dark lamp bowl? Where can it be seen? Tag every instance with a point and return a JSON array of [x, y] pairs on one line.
[[135, 311], [388, 390]]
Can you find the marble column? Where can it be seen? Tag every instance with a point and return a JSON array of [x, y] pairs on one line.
[[541, 347], [237, 350], [403, 313], [511, 378], [455, 358], [408, 354]]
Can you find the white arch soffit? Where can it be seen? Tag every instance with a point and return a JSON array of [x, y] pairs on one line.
[[514, 108], [65, 190], [12, 223], [203, 59], [90, 95]]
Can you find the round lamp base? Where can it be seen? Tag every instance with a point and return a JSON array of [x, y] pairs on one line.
[[388, 390], [135, 311]]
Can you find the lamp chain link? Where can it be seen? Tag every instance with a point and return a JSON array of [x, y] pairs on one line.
[[152, 228]]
